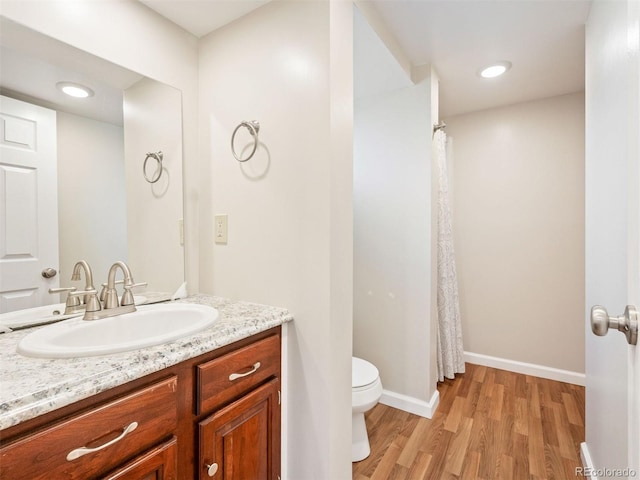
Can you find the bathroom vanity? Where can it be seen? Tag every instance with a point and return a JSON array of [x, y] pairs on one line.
[[209, 409]]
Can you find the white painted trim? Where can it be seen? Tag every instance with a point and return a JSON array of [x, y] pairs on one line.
[[566, 376], [587, 462], [411, 404]]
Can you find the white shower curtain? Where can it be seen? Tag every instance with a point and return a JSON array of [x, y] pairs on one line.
[[450, 350]]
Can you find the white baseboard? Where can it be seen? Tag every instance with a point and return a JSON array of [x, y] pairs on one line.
[[411, 404], [526, 368], [587, 462]]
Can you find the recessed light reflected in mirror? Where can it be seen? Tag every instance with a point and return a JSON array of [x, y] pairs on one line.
[[75, 89], [495, 70]]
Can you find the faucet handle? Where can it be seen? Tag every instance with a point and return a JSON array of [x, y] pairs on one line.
[[62, 289], [72, 301], [127, 295], [91, 299]]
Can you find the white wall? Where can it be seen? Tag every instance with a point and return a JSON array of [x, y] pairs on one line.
[[375, 69], [519, 230], [144, 42], [393, 284], [287, 65], [152, 112], [434, 99], [91, 196], [392, 238]]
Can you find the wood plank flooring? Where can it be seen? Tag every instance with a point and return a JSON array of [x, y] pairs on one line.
[[491, 424]]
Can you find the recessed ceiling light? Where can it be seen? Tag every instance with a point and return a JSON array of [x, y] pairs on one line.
[[495, 70], [75, 89]]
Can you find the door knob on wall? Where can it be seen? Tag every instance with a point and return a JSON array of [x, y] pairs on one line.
[[627, 323]]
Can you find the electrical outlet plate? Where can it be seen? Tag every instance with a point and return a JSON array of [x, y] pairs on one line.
[[221, 222]]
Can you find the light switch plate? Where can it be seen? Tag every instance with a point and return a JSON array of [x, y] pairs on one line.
[[221, 222]]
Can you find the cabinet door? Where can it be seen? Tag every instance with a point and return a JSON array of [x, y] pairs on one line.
[[160, 463], [242, 441]]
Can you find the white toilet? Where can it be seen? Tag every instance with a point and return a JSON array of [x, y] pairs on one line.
[[366, 389]]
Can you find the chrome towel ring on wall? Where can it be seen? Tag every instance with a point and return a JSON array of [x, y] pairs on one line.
[[157, 156], [254, 127]]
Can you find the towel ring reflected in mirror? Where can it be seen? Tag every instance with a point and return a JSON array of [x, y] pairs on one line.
[[157, 156], [254, 127]]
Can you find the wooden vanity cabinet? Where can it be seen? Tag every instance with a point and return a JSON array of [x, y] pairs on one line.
[[220, 408], [97, 440], [234, 439], [241, 393], [161, 463]]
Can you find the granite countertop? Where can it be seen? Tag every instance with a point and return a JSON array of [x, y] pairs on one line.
[[33, 386]]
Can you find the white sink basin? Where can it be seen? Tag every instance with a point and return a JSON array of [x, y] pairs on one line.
[[149, 325], [30, 317]]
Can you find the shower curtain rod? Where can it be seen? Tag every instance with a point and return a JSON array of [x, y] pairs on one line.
[[439, 126]]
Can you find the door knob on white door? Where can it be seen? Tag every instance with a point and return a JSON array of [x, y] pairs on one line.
[[627, 323], [49, 272]]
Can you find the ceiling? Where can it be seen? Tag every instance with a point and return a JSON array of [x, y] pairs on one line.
[[31, 64], [203, 16], [543, 39]]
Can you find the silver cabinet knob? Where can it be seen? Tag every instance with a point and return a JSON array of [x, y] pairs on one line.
[[212, 469], [49, 272], [627, 323]]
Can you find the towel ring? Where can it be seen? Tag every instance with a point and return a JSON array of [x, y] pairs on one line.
[[157, 156], [254, 127]]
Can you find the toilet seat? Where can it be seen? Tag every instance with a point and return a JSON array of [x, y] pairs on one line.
[[363, 373], [366, 390]]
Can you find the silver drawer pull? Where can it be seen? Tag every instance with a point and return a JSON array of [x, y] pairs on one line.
[[79, 452], [235, 376]]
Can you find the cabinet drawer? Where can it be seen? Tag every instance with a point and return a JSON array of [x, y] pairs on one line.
[[47, 454], [160, 463], [235, 373]]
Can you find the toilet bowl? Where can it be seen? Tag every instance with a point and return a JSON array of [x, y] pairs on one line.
[[366, 390]]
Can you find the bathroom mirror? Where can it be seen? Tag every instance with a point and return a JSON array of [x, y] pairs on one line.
[[107, 209]]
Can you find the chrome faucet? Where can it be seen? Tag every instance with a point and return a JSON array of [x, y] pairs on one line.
[[73, 303], [110, 294], [88, 277], [106, 304]]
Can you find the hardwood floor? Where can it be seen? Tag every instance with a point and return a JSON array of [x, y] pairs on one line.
[[491, 424]]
